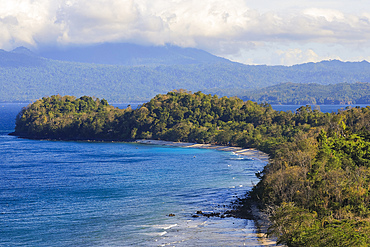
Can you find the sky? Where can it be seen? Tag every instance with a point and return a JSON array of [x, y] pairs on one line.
[[283, 32]]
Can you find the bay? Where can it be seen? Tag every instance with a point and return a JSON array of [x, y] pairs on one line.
[[55, 193]]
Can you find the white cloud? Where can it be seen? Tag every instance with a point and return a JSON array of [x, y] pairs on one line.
[[29, 19], [297, 56], [328, 14], [227, 28]]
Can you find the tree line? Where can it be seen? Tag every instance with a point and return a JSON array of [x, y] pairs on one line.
[[316, 184]]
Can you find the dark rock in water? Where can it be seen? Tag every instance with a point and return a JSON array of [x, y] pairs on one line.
[[213, 214], [230, 213]]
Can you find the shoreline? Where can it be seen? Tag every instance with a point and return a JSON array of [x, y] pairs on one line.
[[248, 152], [252, 212], [251, 153]]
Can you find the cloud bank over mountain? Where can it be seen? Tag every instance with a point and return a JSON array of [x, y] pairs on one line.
[[284, 33]]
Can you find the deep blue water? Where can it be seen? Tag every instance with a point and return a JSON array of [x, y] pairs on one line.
[[8, 113], [55, 193]]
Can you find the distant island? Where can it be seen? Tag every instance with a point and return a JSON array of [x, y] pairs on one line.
[[126, 73], [312, 94], [315, 187]]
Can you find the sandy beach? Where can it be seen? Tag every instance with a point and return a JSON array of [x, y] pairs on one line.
[[249, 152]]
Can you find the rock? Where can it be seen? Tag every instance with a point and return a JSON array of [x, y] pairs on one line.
[[213, 214]]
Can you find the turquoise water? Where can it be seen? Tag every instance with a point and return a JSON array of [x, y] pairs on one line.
[[117, 194]]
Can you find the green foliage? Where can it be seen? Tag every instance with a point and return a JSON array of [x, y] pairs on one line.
[[319, 183], [177, 116], [295, 226], [67, 118]]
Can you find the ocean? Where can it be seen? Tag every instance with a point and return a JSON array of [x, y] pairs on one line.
[[57, 193], [322, 108]]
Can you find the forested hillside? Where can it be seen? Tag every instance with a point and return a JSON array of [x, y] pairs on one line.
[[114, 83], [316, 185], [312, 94], [24, 76]]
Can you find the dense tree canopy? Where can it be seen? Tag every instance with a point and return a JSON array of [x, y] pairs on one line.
[[176, 116], [316, 184]]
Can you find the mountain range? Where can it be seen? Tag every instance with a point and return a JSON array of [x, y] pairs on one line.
[[127, 72], [132, 55]]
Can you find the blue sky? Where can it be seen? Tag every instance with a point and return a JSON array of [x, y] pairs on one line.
[[283, 32]]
